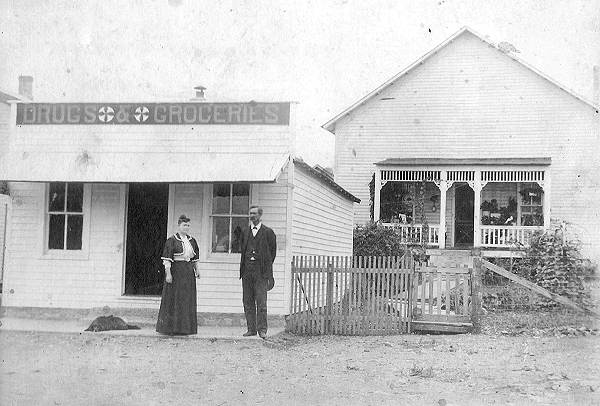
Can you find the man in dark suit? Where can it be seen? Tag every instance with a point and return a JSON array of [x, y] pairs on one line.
[[258, 249]]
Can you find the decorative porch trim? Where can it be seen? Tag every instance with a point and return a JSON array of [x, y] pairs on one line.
[[410, 175], [444, 174], [513, 176], [460, 176]]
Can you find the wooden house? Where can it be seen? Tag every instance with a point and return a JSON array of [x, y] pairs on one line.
[[96, 188], [493, 148]]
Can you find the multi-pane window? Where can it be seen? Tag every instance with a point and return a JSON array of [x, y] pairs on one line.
[[532, 210], [65, 216], [230, 202]]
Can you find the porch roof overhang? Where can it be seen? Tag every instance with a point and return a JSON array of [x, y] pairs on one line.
[[540, 161], [128, 167]]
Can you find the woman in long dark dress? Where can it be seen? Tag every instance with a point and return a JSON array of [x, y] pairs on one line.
[[177, 314]]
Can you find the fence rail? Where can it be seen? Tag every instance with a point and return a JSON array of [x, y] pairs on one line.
[[374, 295], [413, 233], [506, 236], [442, 294], [350, 295]]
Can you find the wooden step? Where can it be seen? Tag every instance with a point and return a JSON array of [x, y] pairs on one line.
[[441, 327]]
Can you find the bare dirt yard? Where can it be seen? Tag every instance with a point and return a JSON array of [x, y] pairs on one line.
[[101, 369]]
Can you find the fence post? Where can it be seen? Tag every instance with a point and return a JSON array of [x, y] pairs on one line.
[[329, 298], [476, 294], [4, 244]]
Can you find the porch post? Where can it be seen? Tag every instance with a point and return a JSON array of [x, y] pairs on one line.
[[442, 229], [377, 197], [546, 202], [477, 210]]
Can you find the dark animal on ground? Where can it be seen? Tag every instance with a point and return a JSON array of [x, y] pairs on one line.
[[104, 323]]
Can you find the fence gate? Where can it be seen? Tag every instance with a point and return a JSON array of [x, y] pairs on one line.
[[441, 298], [350, 295]]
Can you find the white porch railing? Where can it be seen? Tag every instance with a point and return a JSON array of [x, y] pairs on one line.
[[413, 233], [507, 236]]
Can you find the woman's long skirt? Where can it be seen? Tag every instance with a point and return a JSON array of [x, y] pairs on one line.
[[177, 314]]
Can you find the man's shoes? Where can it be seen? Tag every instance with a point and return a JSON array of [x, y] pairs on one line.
[[249, 334], [262, 334]]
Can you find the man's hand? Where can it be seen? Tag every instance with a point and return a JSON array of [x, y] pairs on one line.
[[169, 278], [197, 273]]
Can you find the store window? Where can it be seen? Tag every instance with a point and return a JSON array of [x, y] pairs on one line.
[[230, 203], [65, 216]]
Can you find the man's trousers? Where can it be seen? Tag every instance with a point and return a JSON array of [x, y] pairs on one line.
[[254, 288]]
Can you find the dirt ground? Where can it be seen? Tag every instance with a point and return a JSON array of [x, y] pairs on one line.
[[99, 369]]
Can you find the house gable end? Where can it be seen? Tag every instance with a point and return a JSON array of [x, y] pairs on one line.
[[380, 92]]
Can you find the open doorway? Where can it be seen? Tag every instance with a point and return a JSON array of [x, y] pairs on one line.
[[147, 216], [464, 198]]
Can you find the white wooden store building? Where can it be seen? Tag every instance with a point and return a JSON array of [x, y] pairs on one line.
[[503, 151], [96, 188]]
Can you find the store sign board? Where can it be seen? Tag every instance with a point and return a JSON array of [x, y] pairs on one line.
[[153, 113]]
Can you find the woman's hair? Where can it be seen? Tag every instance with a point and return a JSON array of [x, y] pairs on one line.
[[183, 219]]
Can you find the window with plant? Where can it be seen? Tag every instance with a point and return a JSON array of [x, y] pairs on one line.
[[532, 210], [493, 214], [397, 202]]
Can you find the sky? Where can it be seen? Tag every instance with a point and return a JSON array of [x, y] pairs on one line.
[[324, 55]]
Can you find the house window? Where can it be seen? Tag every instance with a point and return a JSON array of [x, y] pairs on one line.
[[532, 210], [230, 202], [65, 216], [397, 203]]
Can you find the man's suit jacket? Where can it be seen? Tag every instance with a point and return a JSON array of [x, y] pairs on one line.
[[266, 246]]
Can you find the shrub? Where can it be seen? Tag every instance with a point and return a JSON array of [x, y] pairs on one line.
[[3, 188], [375, 240], [554, 262]]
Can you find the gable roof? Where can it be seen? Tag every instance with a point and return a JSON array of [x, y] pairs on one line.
[[5, 97], [330, 125], [326, 179]]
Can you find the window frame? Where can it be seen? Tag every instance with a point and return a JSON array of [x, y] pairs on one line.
[[229, 215], [62, 254], [530, 207]]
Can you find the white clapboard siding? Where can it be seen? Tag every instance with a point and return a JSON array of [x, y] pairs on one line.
[[97, 280], [322, 218], [175, 139], [35, 280], [219, 289], [4, 127], [471, 100]]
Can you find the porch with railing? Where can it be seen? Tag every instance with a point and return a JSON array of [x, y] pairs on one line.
[[413, 233], [491, 236], [497, 204], [507, 236]]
